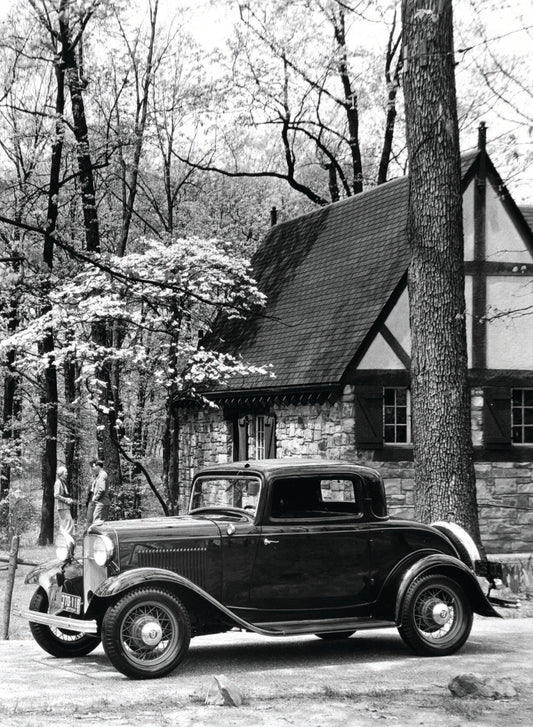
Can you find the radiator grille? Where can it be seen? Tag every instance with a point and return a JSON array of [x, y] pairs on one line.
[[190, 562]]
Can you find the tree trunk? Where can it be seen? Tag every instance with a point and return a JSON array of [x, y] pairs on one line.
[[140, 126], [49, 453], [444, 468], [171, 455], [171, 438], [392, 81], [49, 396], [73, 438], [350, 105], [106, 449], [11, 405]]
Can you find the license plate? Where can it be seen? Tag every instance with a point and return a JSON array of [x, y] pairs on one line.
[[70, 603]]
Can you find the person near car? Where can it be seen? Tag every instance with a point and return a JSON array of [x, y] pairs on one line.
[[63, 501], [98, 500]]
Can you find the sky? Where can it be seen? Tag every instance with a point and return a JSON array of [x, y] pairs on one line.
[[508, 31]]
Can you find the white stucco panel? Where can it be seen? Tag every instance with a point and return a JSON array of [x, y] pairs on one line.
[[510, 322], [504, 243], [469, 320], [380, 356], [398, 322], [468, 221]]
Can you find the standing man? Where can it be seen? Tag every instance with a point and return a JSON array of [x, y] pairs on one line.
[[63, 502], [98, 499]]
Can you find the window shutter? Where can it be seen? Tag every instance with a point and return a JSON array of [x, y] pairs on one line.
[[242, 438], [369, 417], [270, 437], [497, 417]]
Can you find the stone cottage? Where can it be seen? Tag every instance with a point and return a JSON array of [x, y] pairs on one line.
[[336, 331]]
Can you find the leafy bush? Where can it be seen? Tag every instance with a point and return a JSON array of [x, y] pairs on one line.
[[16, 516]]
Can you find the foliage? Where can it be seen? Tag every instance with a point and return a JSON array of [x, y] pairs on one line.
[[16, 516]]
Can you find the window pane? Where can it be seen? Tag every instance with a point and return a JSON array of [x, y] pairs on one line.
[[401, 434], [337, 491], [528, 435], [517, 435], [517, 397], [389, 415], [517, 416], [396, 415], [260, 437], [528, 397], [389, 434]]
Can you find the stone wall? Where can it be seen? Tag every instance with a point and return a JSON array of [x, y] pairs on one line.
[[205, 439], [505, 489]]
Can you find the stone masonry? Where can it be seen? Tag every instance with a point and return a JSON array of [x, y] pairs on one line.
[[504, 489]]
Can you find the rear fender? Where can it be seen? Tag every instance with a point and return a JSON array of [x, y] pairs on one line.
[[453, 568]]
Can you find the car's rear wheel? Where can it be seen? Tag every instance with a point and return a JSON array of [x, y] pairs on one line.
[[436, 616], [146, 633], [335, 635], [55, 641]]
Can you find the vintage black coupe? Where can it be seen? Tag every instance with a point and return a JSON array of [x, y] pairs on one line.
[[277, 547]]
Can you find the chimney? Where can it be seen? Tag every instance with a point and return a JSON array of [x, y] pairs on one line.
[[482, 137], [273, 217]]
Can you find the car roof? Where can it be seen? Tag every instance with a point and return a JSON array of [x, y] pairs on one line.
[[289, 465]]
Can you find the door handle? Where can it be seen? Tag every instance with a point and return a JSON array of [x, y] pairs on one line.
[[266, 541]]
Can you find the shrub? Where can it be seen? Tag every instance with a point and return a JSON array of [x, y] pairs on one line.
[[16, 516]]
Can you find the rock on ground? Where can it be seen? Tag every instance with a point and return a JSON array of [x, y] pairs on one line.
[[475, 685]]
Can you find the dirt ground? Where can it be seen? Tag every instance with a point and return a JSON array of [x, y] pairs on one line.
[[300, 681], [432, 708]]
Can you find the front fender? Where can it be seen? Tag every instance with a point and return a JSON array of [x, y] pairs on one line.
[[127, 580], [452, 567], [54, 572]]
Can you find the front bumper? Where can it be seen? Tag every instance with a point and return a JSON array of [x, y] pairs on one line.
[[82, 626]]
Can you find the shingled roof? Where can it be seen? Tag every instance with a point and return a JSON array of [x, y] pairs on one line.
[[327, 276]]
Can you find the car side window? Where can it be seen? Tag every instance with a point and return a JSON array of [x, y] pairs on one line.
[[316, 498]]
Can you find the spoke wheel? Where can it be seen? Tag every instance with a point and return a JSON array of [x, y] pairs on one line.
[[335, 635], [436, 616], [56, 641], [146, 633]]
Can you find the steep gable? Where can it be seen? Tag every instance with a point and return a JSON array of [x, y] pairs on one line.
[[328, 276]]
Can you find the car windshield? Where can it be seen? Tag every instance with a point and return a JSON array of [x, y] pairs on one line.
[[224, 492]]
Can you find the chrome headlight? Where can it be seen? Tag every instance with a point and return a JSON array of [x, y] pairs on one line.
[[64, 546], [103, 550]]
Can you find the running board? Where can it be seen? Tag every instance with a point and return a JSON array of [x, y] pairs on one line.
[[322, 626]]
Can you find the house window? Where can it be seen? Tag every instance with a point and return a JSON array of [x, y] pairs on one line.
[[254, 437], [260, 436], [396, 415], [522, 416]]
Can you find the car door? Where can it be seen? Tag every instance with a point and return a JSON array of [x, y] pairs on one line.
[[313, 552]]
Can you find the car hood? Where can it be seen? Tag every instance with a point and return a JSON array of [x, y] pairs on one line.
[[159, 528]]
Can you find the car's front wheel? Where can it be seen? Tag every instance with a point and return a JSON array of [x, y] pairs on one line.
[[435, 616], [59, 642], [146, 633]]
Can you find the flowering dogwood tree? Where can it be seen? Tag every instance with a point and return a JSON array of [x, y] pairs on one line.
[[164, 299]]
